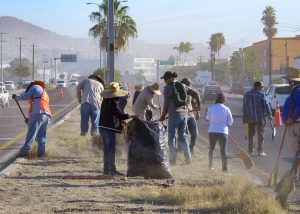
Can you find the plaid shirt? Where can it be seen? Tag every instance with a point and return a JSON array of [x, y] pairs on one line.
[[255, 107]]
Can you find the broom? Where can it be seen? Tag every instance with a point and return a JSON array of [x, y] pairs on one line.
[[274, 173], [247, 160]]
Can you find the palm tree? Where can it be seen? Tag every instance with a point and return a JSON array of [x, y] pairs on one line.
[[187, 47], [269, 20], [217, 40], [124, 25], [180, 50]]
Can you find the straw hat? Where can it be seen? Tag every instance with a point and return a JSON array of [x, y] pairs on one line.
[[113, 91], [139, 87], [154, 88], [293, 74]]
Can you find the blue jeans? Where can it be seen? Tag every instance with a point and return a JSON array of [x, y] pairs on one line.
[[37, 130], [178, 122], [193, 129], [222, 139], [109, 150], [87, 110]]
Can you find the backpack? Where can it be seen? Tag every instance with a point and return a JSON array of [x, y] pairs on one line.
[[179, 96]]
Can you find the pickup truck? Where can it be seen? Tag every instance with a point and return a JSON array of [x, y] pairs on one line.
[[4, 101]]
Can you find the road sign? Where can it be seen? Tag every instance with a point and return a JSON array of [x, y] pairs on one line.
[[166, 62], [68, 58]]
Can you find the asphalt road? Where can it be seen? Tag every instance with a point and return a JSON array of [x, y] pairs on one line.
[[13, 129], [264, 164]]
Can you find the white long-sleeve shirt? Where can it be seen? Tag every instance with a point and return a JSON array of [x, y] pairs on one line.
[[144, 100], [220, 118]]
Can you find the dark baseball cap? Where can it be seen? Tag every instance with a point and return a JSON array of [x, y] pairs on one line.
[[167, 75]]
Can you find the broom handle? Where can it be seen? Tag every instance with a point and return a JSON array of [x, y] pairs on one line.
[[20, 109], [281, 144]]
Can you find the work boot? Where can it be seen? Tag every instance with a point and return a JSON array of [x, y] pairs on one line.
[[117, 173]]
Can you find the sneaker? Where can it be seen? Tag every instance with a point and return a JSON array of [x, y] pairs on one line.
[[251, 153], [23, 155], [262, 154], [117, 173], [42, 155], [188, 162], [83, 134]]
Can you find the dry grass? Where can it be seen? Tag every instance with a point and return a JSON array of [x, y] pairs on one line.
[[236, 195]]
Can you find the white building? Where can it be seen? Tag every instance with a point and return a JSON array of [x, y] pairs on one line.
[[146, 67]]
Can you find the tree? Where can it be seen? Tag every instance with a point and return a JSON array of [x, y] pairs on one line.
[[183, 48], [180, 49], [251, 68], [269, 20], [186, 49], [217, 41], [124, 25], [22, 69]]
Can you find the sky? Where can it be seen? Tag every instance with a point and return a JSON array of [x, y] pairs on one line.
[[165, 21]]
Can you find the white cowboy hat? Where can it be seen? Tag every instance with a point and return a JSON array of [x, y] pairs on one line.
[[113, 91], [139, 87], [293, 74], [154, 88]]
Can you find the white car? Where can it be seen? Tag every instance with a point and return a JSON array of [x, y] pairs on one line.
[[4, 101], [9, 85], [61, 84], [73, 83], [277, 92]]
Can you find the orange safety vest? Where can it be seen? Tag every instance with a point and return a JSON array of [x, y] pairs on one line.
[[44, 104]]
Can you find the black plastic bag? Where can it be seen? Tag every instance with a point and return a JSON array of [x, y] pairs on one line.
[[147, 155]]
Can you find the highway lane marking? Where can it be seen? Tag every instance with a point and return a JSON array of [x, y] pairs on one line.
[[22, 134], [6, 138]]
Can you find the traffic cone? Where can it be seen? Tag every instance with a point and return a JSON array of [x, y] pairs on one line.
[[277, 119], [61, 93]]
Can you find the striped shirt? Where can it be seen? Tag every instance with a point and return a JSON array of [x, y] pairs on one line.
[[255, 107]]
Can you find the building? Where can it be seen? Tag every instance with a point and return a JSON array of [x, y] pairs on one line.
[[284, 53], [145, 67]]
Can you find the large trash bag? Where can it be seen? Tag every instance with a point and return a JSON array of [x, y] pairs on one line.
[[147, 155]]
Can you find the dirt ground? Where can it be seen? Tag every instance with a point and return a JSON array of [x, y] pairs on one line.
[[50, 185]]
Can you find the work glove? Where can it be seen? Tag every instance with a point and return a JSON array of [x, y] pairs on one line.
[[13, 96], [26, 120]]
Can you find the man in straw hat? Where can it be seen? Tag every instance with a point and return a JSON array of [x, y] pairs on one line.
[[110, 124], [138, 89], [291, 117], [39, 117], [89, 95], [145, 99]]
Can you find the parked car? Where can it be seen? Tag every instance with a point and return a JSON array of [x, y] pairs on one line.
[[9, 85], [73, 83], [210, 92], [4, 97], [61, 84], [277, 92], [236, 88]]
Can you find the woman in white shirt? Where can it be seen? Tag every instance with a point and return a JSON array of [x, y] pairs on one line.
[[220, 119]]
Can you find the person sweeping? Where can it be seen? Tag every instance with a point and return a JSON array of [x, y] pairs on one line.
[[39, 117], [220, 119]]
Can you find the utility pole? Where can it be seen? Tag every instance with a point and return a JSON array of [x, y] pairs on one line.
[[111, 40], [243, 67], [44, 62], [20, 62], [33, 62], [1, 41], [200, 62], [157, 71], [286, 57]]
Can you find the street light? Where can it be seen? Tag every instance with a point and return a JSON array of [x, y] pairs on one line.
[[99, 34]]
